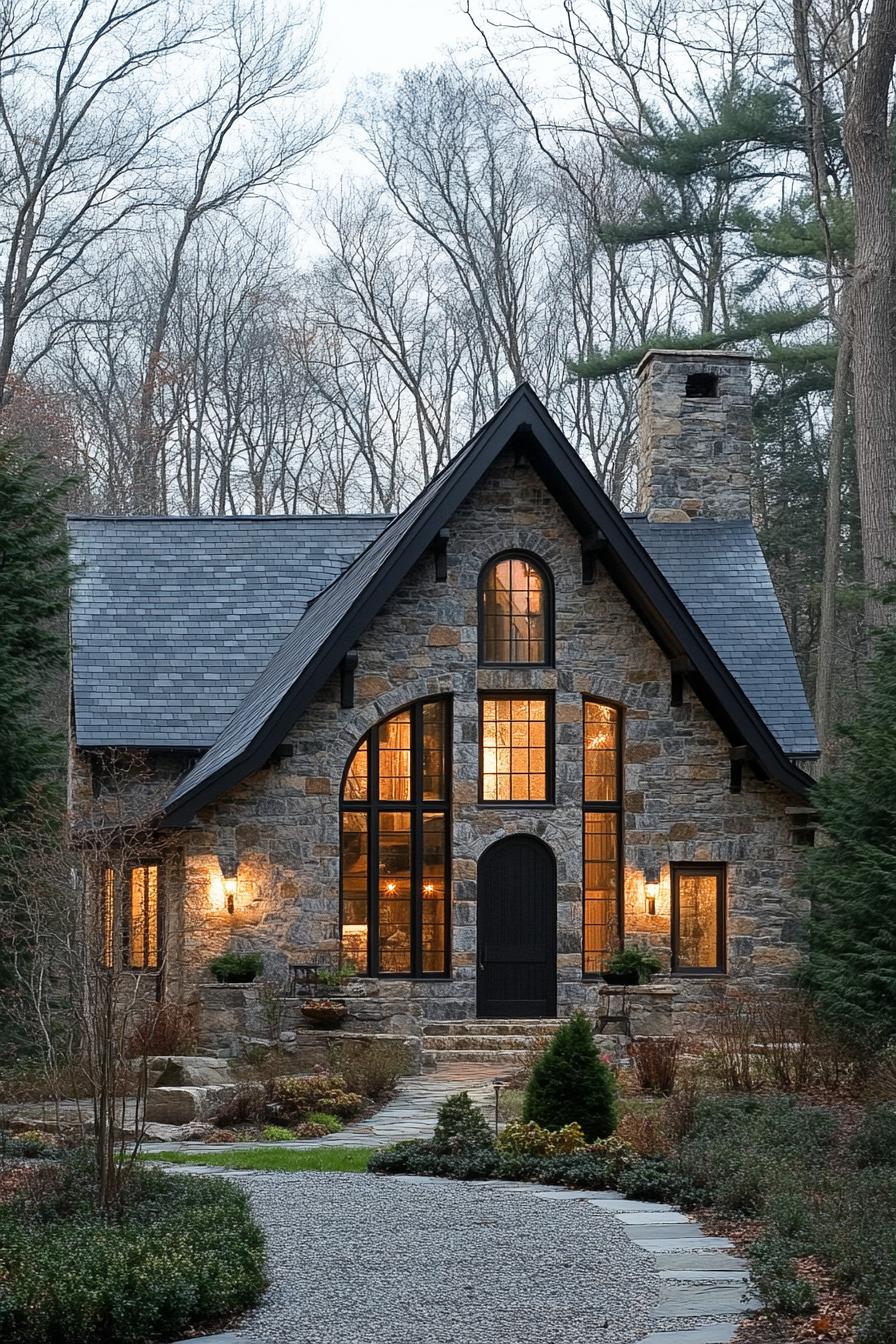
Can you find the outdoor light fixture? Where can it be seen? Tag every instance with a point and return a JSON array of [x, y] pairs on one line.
[[229, 868], [651, 889]]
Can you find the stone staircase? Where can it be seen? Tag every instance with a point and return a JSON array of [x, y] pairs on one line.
[[501, 1041]]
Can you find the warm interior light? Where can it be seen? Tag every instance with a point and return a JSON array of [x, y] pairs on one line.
[[651, 890], [428, 888], [390, 888], [223, 897]]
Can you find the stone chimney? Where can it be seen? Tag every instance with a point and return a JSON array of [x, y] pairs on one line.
[[695, 430]]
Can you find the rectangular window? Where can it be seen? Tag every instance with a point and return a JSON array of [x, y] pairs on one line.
[[516, 763], [395, 758], [602, 832], [395, 893], [354, 889], [143, 922], [435, 866], [698, 918], [107, 897], [601, 889]]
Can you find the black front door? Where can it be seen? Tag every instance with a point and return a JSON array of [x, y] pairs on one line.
[[517, 929]]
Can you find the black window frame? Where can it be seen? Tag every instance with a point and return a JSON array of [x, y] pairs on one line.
[[116, 902], [548, 581], [417, 807], [720, 870], [550, 730], [615, 808]]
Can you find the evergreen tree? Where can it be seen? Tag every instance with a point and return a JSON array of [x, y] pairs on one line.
[[851, 877], [34, 579], [461, 1122], [570, 1084]]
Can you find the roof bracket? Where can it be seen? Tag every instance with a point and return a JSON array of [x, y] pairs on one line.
[[440, 554], [592, 546], [680, 667], [281, 753], [347, 679], [739, 756]]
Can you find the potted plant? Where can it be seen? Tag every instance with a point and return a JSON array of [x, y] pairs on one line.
[[337, 977], [324, 1012], [631, 966], [237, 968]]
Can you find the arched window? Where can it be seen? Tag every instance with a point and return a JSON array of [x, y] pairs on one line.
[[515, 611], [395, 817], [602, 827]]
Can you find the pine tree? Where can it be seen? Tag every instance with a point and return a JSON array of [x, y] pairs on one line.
[[571, 1084], [461, 1122], [34, 579], [851, 877]]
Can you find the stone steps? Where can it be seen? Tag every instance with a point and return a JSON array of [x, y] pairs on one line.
[[510, 1058], [494, 1026]]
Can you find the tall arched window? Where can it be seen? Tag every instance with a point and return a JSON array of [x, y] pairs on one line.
[[602, 828], [395, 818], [515, 611]]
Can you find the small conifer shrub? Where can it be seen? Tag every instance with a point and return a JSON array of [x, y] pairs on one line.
[[570, 1084], [461, 1123]]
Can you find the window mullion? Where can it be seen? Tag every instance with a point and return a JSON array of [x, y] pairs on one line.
[[373, 842], [417, 840]]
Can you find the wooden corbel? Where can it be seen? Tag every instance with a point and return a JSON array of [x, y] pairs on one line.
[[347, 679], [739, 756], [592, 546], [679, 667], [440, 555]]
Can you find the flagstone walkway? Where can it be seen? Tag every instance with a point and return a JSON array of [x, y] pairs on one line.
[[411, 1114]]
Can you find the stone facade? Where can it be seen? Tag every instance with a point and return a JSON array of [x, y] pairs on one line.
[[282, 823], [695, 434]]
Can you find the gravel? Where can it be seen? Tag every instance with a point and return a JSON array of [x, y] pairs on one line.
[[357, 1259]]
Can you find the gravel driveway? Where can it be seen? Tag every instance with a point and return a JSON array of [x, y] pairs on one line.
[[357, 1259]]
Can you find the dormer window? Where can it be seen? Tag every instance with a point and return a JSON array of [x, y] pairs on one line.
[[515, 612]]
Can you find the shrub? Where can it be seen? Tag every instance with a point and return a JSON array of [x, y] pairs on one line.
[[277, 1134], [652, 1178], [614, 1151], [461, 1122], [29, 1143], [644, 1129], [874, 1142], [237, 967], [373, 1069], [656, 1062], [245, 1106], [183, 1253], [164, 1029], [570, 1084], [638, 961], [297, 1097], [531, 1140], [330, 1123], [582, 1171], [777, 1282]]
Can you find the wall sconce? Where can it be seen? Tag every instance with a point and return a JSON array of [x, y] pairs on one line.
[[229, 866], [651, 889]]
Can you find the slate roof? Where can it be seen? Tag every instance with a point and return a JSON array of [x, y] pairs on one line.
[[721, 575], [168, 652], [174, 618]]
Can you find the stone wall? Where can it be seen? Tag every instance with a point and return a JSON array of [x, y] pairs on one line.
[[283, 822], [693, 453]]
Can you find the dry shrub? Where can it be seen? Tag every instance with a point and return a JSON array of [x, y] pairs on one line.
[[680, 1110], [296, 1097], [164, 1029], [644, 1128], [372, 1068], [656, 1062], [246, 1106], [774, 1039]]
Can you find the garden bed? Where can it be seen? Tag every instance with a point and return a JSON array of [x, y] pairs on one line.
[[178, 1255]]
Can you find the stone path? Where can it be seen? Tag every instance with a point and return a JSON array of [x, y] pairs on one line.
[[411, 1114]]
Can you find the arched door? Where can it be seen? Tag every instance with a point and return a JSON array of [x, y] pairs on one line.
[[517, 929]]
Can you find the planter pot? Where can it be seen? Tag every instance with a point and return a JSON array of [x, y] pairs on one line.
[[331, 1015], [620, 977]]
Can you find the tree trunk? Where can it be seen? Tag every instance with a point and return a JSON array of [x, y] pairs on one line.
[[865, 137], [827, 630]]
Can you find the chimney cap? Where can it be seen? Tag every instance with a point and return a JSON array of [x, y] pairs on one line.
[[692, 356]]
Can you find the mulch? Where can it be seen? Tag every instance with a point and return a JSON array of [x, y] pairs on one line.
[[833, 1320]]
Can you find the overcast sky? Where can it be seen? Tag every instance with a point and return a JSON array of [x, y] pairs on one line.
[[366, 37]]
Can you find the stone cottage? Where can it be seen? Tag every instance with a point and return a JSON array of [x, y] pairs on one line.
[[472, 748]]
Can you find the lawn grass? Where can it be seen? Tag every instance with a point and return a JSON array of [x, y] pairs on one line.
[[272, 1159]]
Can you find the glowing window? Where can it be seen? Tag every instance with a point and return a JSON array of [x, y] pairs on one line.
[[516, 736], [395, 845], [602, 823], [143, 922], [515, 612], [698, 918]]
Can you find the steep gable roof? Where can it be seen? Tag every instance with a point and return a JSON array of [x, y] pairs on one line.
[[336, 619]]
